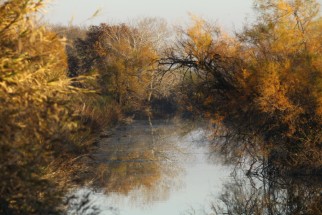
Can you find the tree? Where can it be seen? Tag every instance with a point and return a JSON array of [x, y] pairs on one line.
[[37, 114], [285, 66], [255, 83], [125, 57]]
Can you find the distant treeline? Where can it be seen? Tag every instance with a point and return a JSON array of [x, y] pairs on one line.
[[125, 60], [61, 85]]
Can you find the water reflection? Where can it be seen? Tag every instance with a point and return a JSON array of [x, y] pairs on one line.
[[138, 157], [158, 169], [269, 195], [258, 185], [173, 168], [255, 187]]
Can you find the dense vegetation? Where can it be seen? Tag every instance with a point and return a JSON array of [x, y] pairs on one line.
[[262, 88], [59, 86], [46, 122]]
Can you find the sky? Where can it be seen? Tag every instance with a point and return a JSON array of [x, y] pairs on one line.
[[230, 14]]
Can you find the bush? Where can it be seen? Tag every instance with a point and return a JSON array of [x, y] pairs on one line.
[[38, 121]]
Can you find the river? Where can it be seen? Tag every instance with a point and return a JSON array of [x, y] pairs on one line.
[[167, 167]]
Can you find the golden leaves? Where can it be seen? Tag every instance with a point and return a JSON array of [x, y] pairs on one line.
[[36, 109], [200, 34]]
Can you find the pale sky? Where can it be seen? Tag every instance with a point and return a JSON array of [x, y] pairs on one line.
[[228, 13]]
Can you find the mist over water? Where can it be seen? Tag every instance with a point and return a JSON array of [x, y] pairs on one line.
[[163, 168], [169, 167]]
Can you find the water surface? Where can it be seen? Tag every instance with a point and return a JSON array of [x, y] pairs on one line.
[[158, 167], [169, 167]]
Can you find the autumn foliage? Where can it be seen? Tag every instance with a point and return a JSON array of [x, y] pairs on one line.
[[41, 133], [264, 84], [125, 59], [261, 88]]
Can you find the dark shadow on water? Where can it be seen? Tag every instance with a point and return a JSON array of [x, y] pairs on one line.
[[270, 195]]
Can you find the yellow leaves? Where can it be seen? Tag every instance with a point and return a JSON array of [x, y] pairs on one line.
[[245, 73], [200, 34], [272, 91], [204, 42], [284, 7], [200, 38], [34, 108], [288, 24], [288, 63], [5, 88]]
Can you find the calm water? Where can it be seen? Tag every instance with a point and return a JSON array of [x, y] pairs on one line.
[[166, 167], [162, 167]]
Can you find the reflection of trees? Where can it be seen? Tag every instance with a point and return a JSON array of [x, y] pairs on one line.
[[133, 160], [127, 170], [83, 203], [258, 185], [245, 151], [269, 195]]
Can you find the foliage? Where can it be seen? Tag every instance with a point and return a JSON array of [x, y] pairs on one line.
[[125, 58], [71, 33], [264, 85], [286, 66], [261, 88], [39, 128]]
